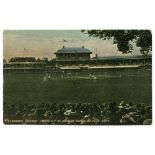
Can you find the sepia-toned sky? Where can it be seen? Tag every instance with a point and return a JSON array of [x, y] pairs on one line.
[[44, 43]]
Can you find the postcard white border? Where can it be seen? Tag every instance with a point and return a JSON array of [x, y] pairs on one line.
[[69, 14]]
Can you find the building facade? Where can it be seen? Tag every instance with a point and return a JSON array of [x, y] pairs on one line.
[[75, 58], [122, 60], [72, 55]]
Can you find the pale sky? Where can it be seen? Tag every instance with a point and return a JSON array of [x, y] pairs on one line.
[[44, 43]]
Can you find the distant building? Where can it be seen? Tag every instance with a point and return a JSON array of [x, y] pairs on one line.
[[22, 59], [24, 64], [75, 55]]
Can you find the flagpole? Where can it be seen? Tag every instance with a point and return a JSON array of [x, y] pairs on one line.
[[64, 42], [96, 53], [83, 43], [24, 51]]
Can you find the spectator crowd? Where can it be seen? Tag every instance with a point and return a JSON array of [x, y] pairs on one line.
[[122, 113]]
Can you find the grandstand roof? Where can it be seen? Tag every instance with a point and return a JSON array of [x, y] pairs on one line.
[[73, 50], [121, 57]]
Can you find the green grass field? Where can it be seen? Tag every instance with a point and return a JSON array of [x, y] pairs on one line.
[[114, 85]]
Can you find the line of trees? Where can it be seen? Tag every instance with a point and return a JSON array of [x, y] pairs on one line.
[[125, 39]]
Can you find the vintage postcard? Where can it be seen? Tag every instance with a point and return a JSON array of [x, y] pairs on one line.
[[77, 77]]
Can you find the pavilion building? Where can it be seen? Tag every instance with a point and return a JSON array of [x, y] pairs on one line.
[[73, 56]]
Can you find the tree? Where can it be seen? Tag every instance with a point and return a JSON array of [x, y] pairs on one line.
[[125, 39]]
